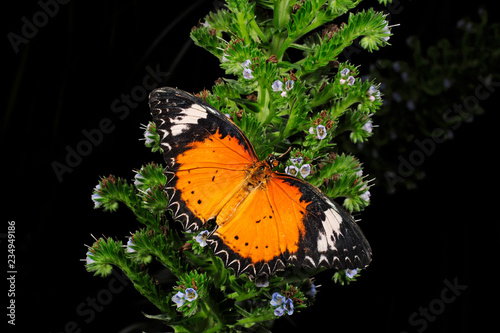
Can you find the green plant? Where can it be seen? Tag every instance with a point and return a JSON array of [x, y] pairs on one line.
[[286, 89]]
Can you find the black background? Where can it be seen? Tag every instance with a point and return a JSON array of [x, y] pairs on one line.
[[65, 79]]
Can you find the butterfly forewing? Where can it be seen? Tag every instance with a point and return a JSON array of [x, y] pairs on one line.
[[207, 155]]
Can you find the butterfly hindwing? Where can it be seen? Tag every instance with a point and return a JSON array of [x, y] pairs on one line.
[[289, 221], [332, 238]]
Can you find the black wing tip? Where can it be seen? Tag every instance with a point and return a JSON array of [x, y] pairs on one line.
[[164, 93]]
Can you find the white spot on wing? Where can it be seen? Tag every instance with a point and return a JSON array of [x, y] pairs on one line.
[[178, 129], [189, 116], [331, 227]]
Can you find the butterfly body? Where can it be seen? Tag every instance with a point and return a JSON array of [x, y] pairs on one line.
[[264, 220]]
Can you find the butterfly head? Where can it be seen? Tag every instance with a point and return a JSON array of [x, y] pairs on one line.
[[273, 160]]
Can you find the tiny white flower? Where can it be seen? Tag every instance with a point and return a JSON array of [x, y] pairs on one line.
[[321, 131], [246, 64], [277, 85], [179, 299], [138, 179], [148, 133], [372, 90], [247, 74], [305, 170], [95, 197], [351, 272], [367, 126], [201, 238], [366, 196], [130, 243], [292, 170], [283, 94], [88, 259], [191, 294], [386, 31]]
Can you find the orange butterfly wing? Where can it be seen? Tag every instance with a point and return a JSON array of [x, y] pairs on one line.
[[265, 220], [289, 221], [207, 155]]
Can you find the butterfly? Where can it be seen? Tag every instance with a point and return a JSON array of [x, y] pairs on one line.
[[262, 220]]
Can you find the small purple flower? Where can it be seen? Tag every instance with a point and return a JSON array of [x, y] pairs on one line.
[[292, 170], [277, 85], [350, 80], [89, 259], [96, 197], [366, 196], [344, 72], [277, 299], [138, 179], [247, 74], [321, 131], [246, 64], [130, 245], [386, 31], [305, 170], [372, 90], [201, 238], [282, 304], [351, 272], [179, 299], [296, 160], [191, 294], [288, 306], [279, 311], [368, 126]]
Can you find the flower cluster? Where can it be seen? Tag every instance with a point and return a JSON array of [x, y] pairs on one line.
[[247, 72], [180, 298], [304, 171], [278, 86], [281, 305], [350, 80]]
